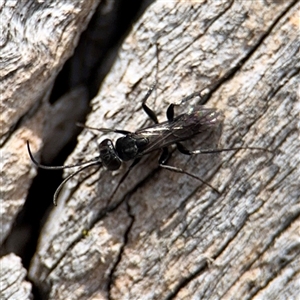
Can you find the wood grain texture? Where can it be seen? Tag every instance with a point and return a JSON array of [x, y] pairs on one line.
[[165, 235], [37, 37], [12, 279]]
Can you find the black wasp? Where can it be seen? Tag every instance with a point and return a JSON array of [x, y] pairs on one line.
[[134, 145]]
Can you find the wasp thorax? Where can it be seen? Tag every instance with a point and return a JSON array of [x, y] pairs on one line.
[[128, 147]]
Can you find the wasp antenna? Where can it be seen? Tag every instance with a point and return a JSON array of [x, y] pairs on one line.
[[56, 194], [57, 167]]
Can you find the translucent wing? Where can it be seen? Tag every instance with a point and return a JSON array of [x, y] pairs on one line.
[[183, 127]]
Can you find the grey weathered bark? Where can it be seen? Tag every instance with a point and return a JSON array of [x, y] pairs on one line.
[[12, 279], [37, 37], [167, 236]]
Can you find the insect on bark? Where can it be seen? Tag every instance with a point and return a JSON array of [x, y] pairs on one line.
[[134, 145]]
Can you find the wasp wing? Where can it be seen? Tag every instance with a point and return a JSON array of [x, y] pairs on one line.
[[183, 127]]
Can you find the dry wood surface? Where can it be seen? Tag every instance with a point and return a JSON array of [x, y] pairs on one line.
[[165, 235]]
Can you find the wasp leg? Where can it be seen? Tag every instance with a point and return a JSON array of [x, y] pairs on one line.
[[165, 155], [170, 110], [162, 163], [151, 114]]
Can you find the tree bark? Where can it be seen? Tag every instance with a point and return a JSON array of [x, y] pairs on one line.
[[37, 39], [12, 279], [165, 235]]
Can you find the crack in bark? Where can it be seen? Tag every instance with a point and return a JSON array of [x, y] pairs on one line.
[[102, 214], [272, 93], [22, 119], [252, 290], [112, 276], [287, 223], [228, 75], [231, 72], [186, 280], [179, 52]]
